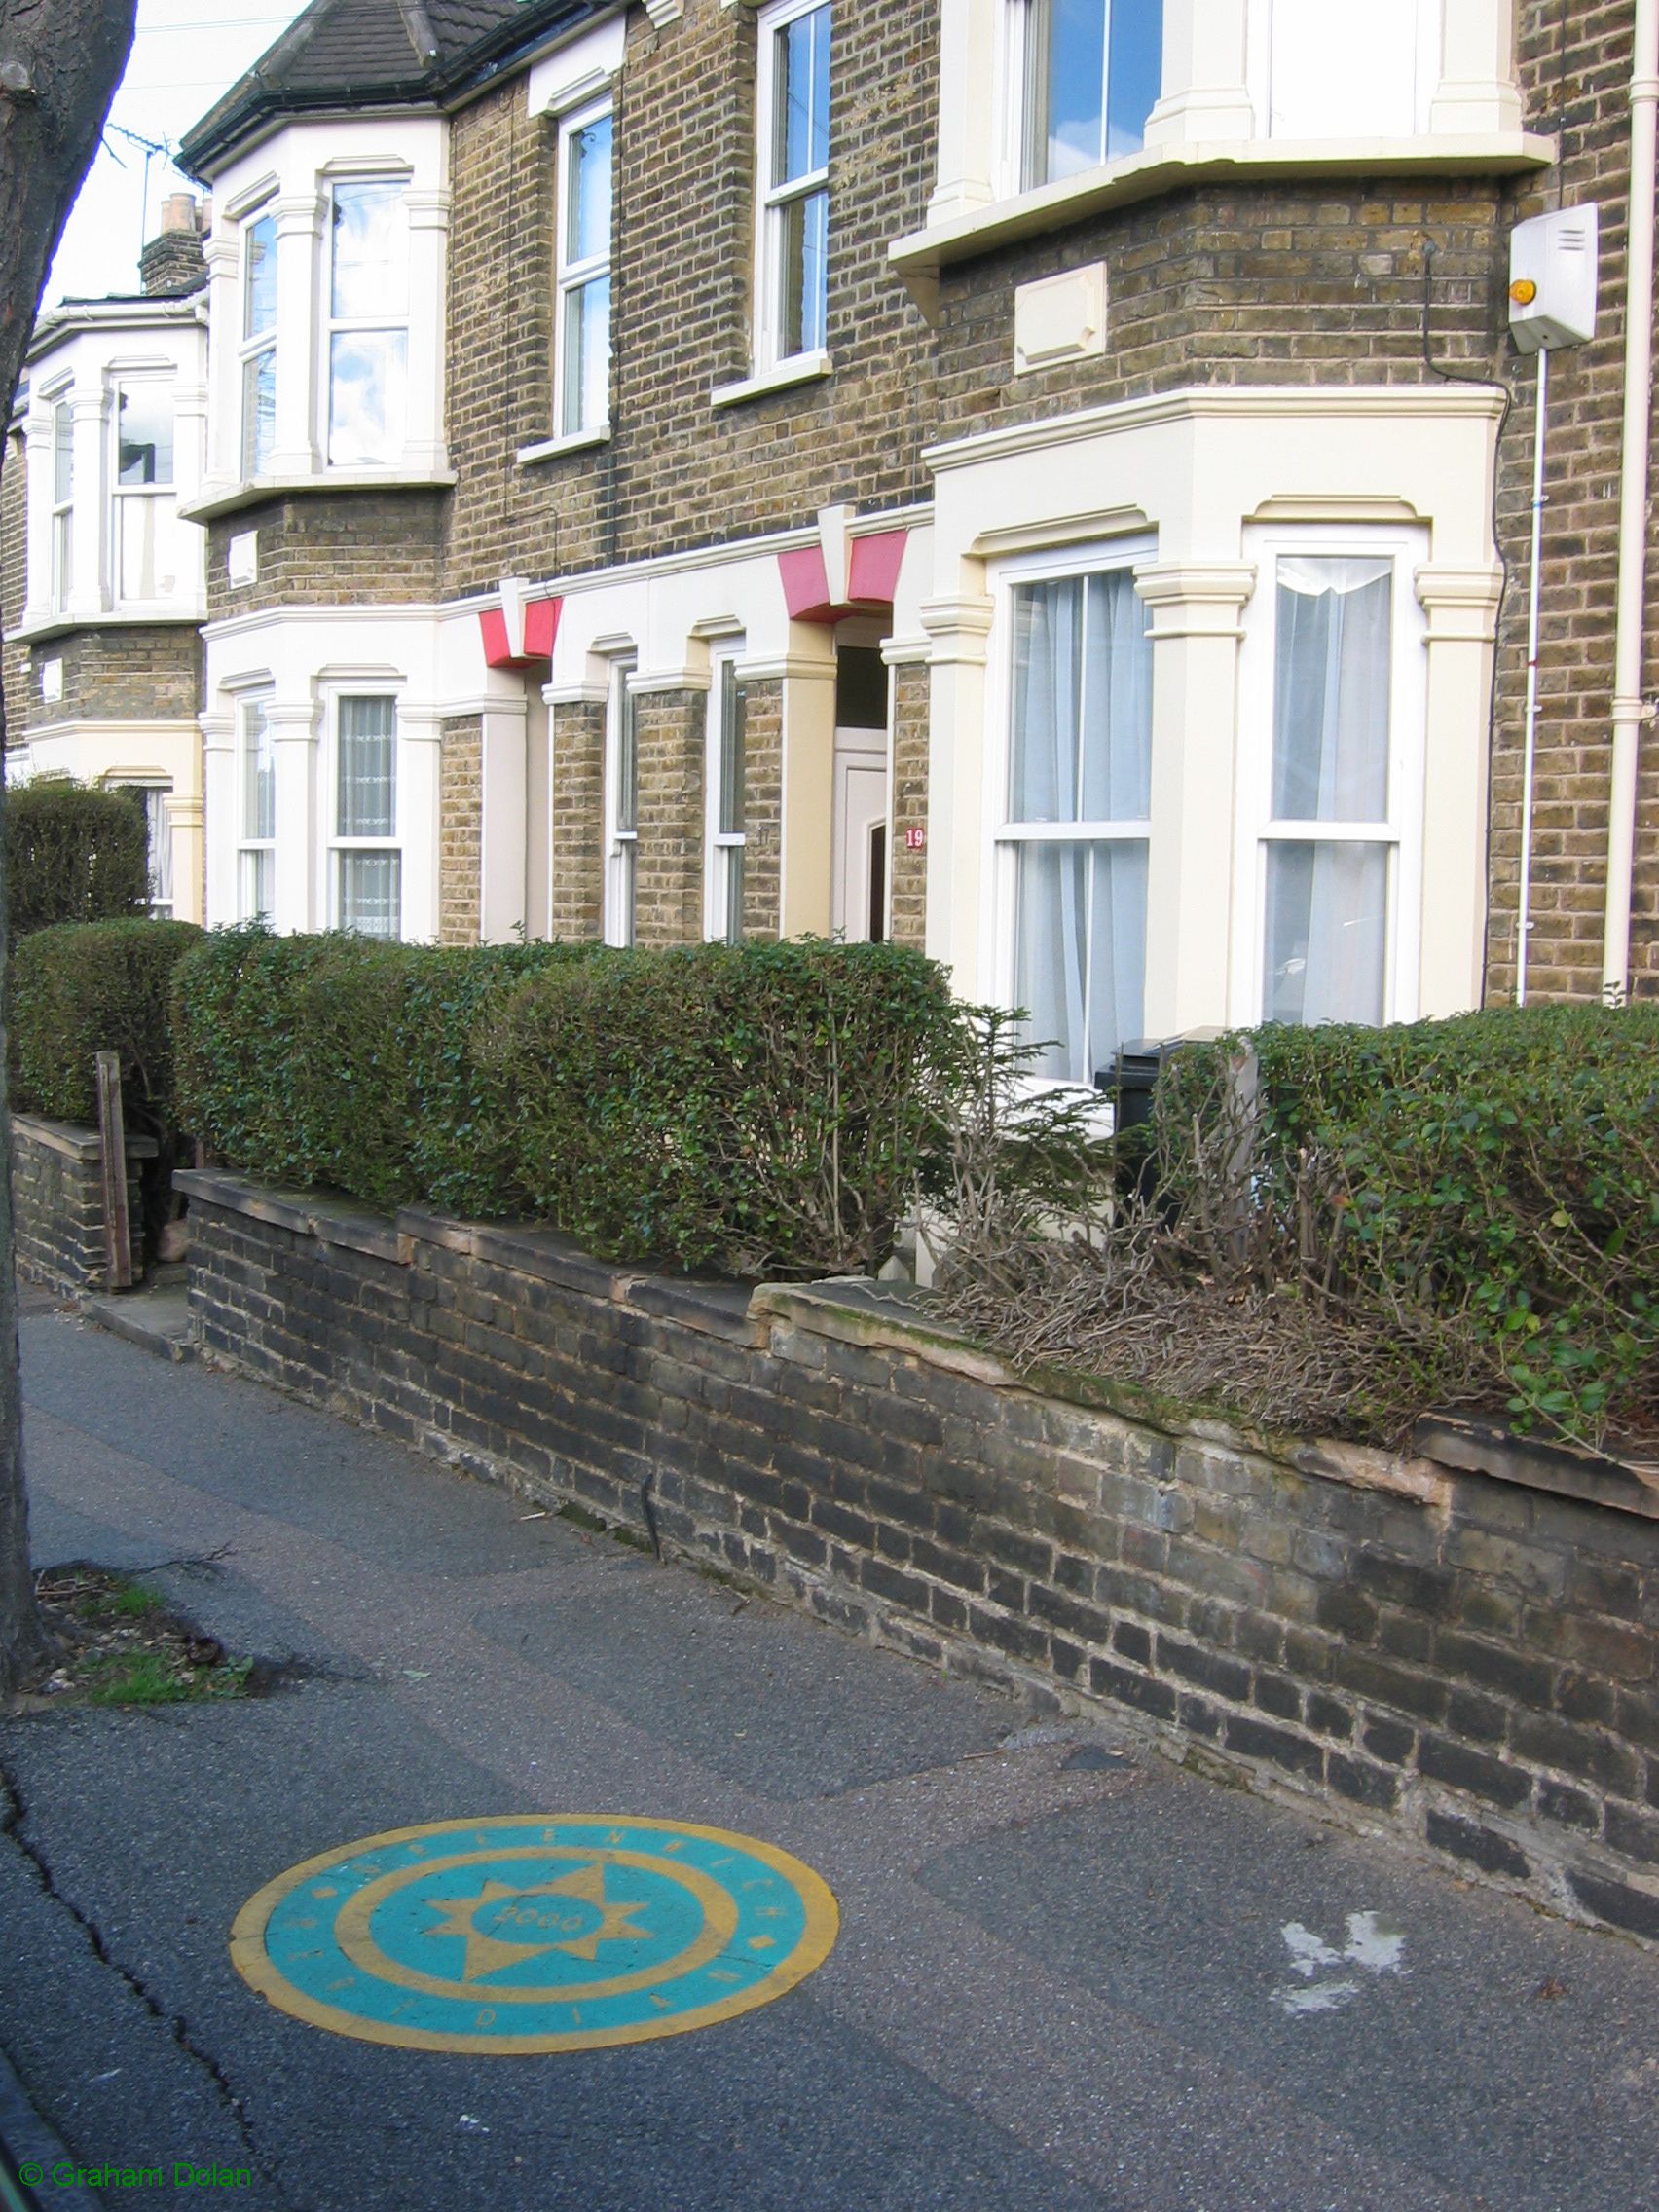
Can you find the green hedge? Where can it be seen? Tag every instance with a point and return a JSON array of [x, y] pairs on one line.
[[86, 987], [343, 1061], [73, 854], [757, 1108], [1480, 1190]]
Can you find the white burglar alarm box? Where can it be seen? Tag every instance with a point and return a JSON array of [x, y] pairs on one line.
[[1552, 278]]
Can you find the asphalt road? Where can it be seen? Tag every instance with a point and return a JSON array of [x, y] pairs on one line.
[[1103, 1986]]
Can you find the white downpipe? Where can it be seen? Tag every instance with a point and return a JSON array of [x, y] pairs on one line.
[[1524, 903], [1633, 503]]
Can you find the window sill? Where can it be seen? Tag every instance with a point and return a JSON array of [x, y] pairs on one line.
[[221, 498], [154, 616], [920, 256], [575, 441], [800, 368]]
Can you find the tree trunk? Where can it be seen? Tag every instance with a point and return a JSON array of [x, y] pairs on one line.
[[60, 61]]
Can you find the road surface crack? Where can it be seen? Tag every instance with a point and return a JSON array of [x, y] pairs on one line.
[[13, 1821]]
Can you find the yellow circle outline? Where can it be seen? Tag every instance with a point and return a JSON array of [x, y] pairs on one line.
[[248, 1956], [351, 1930]]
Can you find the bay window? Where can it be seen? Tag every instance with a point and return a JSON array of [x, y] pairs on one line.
[[256, 804], [368, 322], [367, 863], [1071, 852], [1084, 76], [581, 370], [259, 345], [723, 843], [62, 503], [144, 543], [1337, 787], [621, 806], [792, 106]]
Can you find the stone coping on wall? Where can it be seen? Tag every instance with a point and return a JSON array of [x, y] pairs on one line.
[[855, 1309], [75, 1140]]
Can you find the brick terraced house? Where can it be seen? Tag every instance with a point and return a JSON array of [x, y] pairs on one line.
[[1047, 480], [104, 585]]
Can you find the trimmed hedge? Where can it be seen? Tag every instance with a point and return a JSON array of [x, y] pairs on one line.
[[1479, 1193], [86, 987], [764, 1107], [756, 1107], [74, 853], [345, 1061]]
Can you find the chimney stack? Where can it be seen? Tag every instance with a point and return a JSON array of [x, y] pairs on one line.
[[173, 264]]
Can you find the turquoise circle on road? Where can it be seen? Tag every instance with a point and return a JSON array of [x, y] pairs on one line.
[[535, 1933]]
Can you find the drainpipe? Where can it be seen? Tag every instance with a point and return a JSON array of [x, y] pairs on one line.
[[1633, 502]]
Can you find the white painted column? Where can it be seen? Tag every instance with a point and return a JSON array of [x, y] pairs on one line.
[[1196, 636], [38, 488], [419, 758], [224, 369], [300, 902], [89, 596], [428, 212], [1206, 88], [503, 853], [219, 805], [300, 430], [190, 465], [966, 109], [1462, 606], [958, 629], [808, 806], [1477, 92]]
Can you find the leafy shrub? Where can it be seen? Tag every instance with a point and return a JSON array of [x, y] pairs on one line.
[[1343, 1228], [73, 854], [86, 987], [1495, 1175], [762, 1108], [341, 1060], [759, 1108]]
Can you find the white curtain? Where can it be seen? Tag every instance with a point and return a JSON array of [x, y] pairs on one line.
[[1327, 902], [1081, 753], [368, 768]]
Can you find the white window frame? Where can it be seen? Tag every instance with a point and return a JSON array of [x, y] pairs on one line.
[[1259, 47], [331, 326], [120, 493], [772, 201], [725, 723], [1013, 150], [621, 839], [253, 851], [62, 581], [252, 347], [337, 844], [998, 957], [572, 276], [1402, 829]]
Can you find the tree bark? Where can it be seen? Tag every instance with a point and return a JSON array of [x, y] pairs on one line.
[[60, 61]]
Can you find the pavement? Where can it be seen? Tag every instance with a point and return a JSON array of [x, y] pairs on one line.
[[1069, 1976]]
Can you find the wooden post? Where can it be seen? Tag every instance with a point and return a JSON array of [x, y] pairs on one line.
[[118, 1226]]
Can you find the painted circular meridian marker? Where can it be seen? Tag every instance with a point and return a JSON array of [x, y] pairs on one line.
[[535, 1933]]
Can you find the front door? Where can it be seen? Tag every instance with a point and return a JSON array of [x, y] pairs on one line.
[[859, 847]]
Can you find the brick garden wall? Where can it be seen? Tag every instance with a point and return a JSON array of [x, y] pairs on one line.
[[1465, 1662], [58, 1202]]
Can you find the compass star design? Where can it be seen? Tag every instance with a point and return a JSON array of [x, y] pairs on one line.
[[488, 1954]]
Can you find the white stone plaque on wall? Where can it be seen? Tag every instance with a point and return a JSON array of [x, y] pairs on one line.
[[1059, 319]]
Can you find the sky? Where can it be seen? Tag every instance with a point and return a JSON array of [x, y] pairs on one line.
[[185, 55]]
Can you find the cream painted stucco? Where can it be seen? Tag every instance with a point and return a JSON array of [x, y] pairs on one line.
[[1194, 476]]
